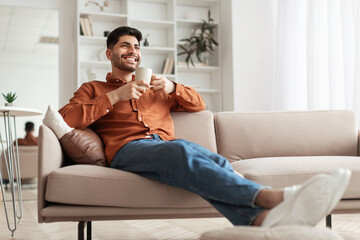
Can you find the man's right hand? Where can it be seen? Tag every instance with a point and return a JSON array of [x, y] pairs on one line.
[[131, 90]]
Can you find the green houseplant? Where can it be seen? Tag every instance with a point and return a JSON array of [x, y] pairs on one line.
[[9, 98], [201, 41]]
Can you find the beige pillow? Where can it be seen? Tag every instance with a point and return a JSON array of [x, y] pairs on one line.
[[81, 146], [274, 233]]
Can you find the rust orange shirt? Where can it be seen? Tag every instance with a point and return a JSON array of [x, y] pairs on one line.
[[29, 140], [129, 120]]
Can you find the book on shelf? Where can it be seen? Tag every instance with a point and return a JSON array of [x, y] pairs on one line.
[[171, 66], [83, 27], [90, 25], [168, 66], [86, 26]]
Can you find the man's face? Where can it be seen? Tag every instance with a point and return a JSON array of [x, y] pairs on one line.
[[126, 54]]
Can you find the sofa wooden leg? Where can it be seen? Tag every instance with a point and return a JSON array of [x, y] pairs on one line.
[[328, 221], [88, 230], [81, 227]]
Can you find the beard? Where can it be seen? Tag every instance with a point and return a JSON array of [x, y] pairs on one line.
[[118, 62]]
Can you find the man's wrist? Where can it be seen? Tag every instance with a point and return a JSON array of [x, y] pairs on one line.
[[173, 87]]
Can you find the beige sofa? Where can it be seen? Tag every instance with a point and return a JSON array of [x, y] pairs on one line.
[[28, 158], [275, 149]]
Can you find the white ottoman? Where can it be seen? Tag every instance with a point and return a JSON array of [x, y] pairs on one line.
[[274, 233]]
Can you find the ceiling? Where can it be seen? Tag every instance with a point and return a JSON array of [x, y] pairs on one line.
[[22, 28]]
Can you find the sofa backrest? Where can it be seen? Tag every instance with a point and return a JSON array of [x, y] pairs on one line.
[[270, 134], [196, 127]]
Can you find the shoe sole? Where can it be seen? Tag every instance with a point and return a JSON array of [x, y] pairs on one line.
[[295, 210]]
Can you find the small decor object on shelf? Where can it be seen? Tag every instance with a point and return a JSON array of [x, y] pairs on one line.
[[100, 5], [146, 42], [90, 74], [9, 98], [102, 55], [201, 41], [106, 33]]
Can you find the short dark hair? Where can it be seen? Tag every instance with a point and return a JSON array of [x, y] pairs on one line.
[[114, 36], [29, 126]]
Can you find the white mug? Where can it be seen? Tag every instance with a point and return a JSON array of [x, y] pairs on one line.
[[143, 73]]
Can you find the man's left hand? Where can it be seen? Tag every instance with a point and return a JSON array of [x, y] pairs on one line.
[[161, 83]]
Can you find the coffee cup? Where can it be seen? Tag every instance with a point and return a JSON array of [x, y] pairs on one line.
[[143, 73]]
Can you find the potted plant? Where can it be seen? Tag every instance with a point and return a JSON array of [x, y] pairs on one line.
[[201, 41], [9, 98]]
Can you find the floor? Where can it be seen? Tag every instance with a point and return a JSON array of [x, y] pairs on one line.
[[185, 229]]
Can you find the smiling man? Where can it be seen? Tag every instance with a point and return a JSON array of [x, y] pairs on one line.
[[134, 122]]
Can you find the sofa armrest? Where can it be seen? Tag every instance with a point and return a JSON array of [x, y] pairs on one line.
[[50, 158]]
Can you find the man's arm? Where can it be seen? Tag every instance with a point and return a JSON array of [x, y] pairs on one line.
[[186, 98], [84, 109]]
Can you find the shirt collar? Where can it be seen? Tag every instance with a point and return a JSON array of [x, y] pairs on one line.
[[111, 79]]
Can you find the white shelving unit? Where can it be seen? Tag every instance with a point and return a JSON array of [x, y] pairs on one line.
[[164, 23]]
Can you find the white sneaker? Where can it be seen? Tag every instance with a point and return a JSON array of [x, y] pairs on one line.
[[289, 191], [311, 202]]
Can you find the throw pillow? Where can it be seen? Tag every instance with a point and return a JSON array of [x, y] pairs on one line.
[[81, 146]]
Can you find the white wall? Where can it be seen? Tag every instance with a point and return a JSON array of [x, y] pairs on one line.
[[249, 65], [65, 60], [34, 78]]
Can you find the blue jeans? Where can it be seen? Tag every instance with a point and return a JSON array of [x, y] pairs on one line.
[[189, 166]]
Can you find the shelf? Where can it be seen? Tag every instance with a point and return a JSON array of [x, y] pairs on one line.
[[152, 23], [197, 68], [172, 76], [197, 3], [151, 1], [95, 64], [163, 23], [203, 90], [106, 17], [191, 23], [92, 40], [157, 50]]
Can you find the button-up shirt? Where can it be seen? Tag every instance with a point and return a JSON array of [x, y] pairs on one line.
[[29, 140], [126, 121]]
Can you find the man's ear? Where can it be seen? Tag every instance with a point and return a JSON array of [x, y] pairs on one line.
[[108, 54]]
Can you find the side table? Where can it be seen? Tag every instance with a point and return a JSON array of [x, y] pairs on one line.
[[11, 156]]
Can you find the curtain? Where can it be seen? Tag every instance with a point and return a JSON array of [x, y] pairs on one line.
[[317, 55]]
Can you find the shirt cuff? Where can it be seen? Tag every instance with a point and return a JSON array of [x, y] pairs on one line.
[[104, 103], [179, 91]]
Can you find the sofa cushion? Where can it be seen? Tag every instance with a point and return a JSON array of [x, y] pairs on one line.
[[102, 186], [275, 233], [197, 127], [310, 133], [82, 146], [279, 172]]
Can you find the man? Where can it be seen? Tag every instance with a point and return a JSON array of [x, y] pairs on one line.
[[29, 139], [133, 119]]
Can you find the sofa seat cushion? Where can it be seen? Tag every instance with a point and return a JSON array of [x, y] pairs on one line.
[[102, 186], [279, 172]]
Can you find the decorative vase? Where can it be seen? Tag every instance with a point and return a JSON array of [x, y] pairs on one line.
[[9, 104]]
